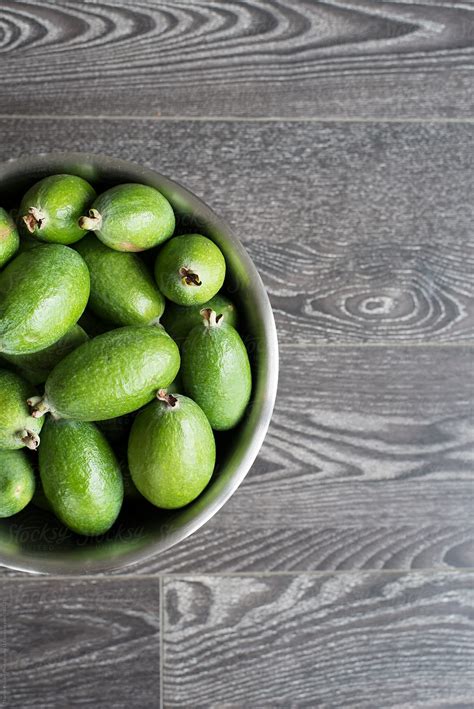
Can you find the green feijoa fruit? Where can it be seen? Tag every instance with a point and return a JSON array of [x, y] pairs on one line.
[[9, 239], [17, 482], [36, 366], [171, 451], [80, 475], [179, 320], [43, 292], [130, 217], [51, 208], [111, 375], [216, 371], [190, 269], [122, 290], [17, 427]]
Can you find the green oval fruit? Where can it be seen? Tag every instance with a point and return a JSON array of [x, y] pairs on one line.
[[216, 371], [179, 320], [130, 217], [35, 367], [9, 239], [171, 451], [80, 475], [42, 294], [122, 290], [111, 375], [17, 482], [51, 208], [17, 427], [190, 269]]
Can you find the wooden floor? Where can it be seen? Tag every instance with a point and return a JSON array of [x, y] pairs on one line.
[[337, 139]]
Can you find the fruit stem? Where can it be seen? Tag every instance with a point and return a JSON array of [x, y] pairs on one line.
[[188, 277], [210, 317], [33, 219], [92, 222], [30, 439], [39, 406], [169, 399]]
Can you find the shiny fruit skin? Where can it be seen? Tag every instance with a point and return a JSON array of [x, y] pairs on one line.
[[9, 238], [122, 290], [17, 482], [179, 320], [15, 416], [80, 476], [113, 374], [61, 200], [216, 373], [190, 269], [133, 217], [43, 292], [171, 452]]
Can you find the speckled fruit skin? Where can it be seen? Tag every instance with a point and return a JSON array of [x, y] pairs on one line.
[[171, 452], [43, 292], [15, 415], [113, 374], [80, 475], [9, 238], [62, 199], [36, 367], [134, 217], [17, 482], [216, 373], [179, 320], [122, 290], [196, 254]]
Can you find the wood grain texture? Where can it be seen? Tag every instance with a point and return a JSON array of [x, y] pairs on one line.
[[80, 643], [358, 640], [362, 232], [205, 58]]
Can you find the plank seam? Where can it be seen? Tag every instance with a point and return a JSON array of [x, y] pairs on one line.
[[235, 119]]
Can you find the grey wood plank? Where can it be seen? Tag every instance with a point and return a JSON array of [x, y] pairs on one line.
[[358, 640], [362, 232], [80, 643], [367, 465], [357, 58]]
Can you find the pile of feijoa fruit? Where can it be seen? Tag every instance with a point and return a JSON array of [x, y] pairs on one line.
[[116, 376]]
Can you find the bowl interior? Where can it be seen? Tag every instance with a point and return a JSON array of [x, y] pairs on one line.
[[34, 540]]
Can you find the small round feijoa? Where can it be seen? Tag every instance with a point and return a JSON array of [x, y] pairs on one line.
[[17, 482], [190, 269], [171, 451], [51, 208], [43, 292], [130, 217], [111, 375], [216, 371], [18, 427], [122, 290], [9, 238], [80, 475], [179, 320]]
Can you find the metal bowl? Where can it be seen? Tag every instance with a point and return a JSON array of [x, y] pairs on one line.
[[34, 540]]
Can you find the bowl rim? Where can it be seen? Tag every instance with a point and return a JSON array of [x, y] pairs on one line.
[[52, 566]]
